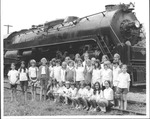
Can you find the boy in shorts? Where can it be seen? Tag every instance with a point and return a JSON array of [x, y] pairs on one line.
[[123, 86], [43, 76]]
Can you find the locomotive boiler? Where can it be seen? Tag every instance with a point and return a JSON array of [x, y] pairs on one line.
[[115, 30]]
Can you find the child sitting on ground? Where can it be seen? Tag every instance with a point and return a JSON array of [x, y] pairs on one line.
[[13, 78], [88, 95], [52, 92], [73, 91], [81, 96], [60, 92], [97, 94], [67, 93], [108, 99]]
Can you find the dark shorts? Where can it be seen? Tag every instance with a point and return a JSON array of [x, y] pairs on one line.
[[114, 88], [122, 90], [43, 81], [24, 85], [110, 104], [77, 84], [13, 86]]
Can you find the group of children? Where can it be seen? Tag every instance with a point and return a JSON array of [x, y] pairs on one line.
[[88, 84]]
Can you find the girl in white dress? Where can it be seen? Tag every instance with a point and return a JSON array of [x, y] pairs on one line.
[[33, 71], [23, 78]]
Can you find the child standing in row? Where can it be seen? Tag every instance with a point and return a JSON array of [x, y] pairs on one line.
[[13, 78], [43, 77], [104, 59], [63, 72], [96, 74], [70, 72], [106, 74], [23, 78], [88, 72], [33, 71], [116, 71], [79, 72], [86, 57], [57, 71], [123, 86]]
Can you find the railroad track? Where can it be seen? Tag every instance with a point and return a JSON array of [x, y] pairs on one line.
[[120, 111], [127, 111]]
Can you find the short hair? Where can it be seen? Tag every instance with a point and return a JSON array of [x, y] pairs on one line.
[[124, 65], [117, 55], [105, 57], [44, 60], [86, 54], [13, 64], [64, 63], [32, 61]]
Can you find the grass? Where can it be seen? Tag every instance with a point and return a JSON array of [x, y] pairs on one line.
[[47, 108], [38, 108]]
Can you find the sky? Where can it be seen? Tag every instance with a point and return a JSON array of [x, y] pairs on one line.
[[22, 14]]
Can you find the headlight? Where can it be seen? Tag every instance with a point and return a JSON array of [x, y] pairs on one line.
[[137, 24]]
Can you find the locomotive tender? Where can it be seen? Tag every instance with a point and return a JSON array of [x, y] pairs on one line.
[[115, 30]]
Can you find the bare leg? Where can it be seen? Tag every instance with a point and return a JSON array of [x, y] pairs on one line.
[[85, 103], [11, 95], [25, 96], [44, 94], [41, 93], [34, 93], [15, 94], [125, 101]]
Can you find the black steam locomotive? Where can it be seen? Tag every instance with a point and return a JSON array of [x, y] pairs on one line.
[[115, 30]]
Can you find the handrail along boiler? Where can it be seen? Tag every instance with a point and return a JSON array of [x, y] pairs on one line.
[[109, 31]]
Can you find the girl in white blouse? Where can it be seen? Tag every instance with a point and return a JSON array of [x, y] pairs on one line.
[[79, 72], [23, 78], [97, 94], [108, 98], [33, 71]]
